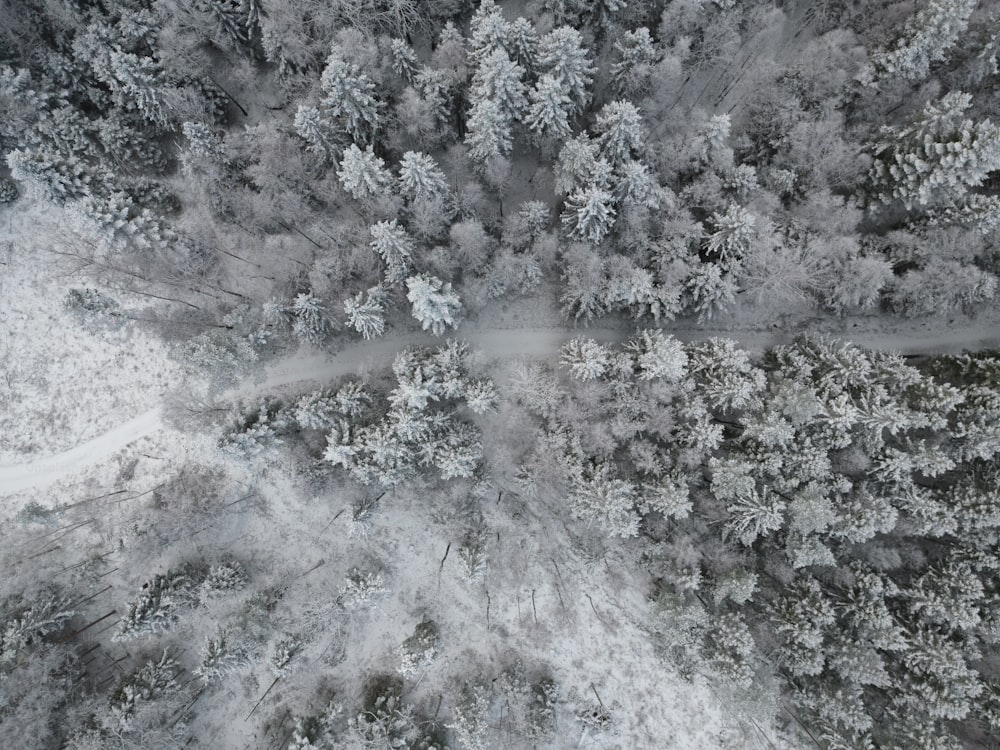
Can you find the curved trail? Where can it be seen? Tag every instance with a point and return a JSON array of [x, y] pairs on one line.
[[501, 343]]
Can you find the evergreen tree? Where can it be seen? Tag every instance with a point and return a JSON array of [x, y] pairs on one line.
[[488, 31], [488, 131], [635, 56], [366, 315], [732, 235], [404, 60], [577, 164], [205, 154], [500, 80], [589, 214], [157, 607], [585, 358], [420, 178], [396, 248], [550, 109], [139, 79], [312, 324], [619, 131], [58, 179], [561, 54], [318, 132], [522, 43], [349, 99], [363, 174], [927, 38], [435, 305], [936, 158]]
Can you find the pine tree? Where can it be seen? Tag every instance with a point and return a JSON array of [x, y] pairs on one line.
[[435, 305], [420, 178], [561, 53], [404, 60], [58, 179], [605, 501], [349, 99], [927, 38], [396, 248], [363, 174], [24, 626], [139, 79], [658, 356], [577, 164], [936, 158], [585, 358], [149, 683], [635, 56], [366, 315], [589, 214], [732, 235], [488, 131], [550, 109], [619, 131], [500, 80], [522, 43], [488, 31], [634, 185], [319, 132], [205, 154], [157, 606], [312, 324]]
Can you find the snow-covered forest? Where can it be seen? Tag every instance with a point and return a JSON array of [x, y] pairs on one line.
[[518, 374]]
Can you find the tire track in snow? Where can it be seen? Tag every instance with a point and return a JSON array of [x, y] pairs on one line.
[[501, 343]]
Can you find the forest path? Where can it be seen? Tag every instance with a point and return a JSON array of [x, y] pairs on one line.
[[499, 343]]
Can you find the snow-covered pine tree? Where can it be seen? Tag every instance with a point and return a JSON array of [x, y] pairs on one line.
[[349, 99], [635, 185], [935, 159], [603, 500], [732, 234], [501, 80], [204, 154], [585, 358], [620, 131], [54, 178], [927, 38], [404, 60], [312, 323], [363, 174], [709, 290], [434, 303], [577, 164], [420, 178], [589, 214], [562, 54], [319, 133], [635, 55], [396, 248], [549, 109], [658, 356], [488, 31], [488, 131], [157, 605], [522, 43], [24, 626], [150, 682], [139, 79], [366, 312]]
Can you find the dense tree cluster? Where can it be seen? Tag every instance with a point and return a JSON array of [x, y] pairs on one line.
[[832, 516]]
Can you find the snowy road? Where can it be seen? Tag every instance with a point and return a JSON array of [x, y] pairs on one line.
[[495, 342]]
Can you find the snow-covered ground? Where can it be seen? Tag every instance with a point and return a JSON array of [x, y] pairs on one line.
[[62, 384]]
